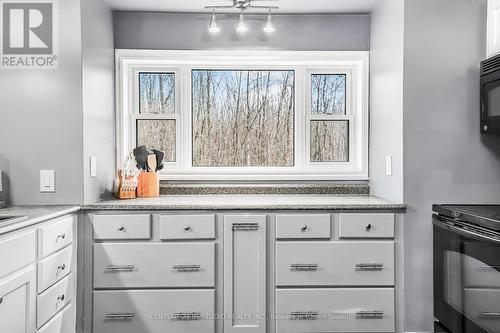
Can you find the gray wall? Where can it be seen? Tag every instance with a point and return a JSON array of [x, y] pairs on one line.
[[98, 97], [445, 157], [386, 100], [41, 120], [171, 31]]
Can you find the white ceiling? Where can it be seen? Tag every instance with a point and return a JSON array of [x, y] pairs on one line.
[[286, 6]]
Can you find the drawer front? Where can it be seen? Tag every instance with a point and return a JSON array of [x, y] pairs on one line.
[[148, 265], [122, 226], [63, 322], [53, 237], [54, 268], [482, 306], [335, 264], [153, 311], [366, 225], [54, 299], [335, 310], [303, 226], [23, 245], [187, 227]]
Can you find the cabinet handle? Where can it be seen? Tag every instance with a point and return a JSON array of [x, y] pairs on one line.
[[369, 267], [61, 267], [491, 314], [1, 300], [368, 227], [369, 314], [186, 316], [121, 228], [119, 316], [186, 268], [61, 298], [304, 228], [245, 226], [62, 236], [118, 268], [304, 267], [304, 315], [187, 228]]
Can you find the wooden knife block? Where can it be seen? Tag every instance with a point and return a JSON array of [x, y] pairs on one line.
[[148, 185]]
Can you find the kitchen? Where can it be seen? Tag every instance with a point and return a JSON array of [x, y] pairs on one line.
[[410, 137]]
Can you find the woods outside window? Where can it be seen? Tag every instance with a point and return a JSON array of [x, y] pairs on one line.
[[235, 115]]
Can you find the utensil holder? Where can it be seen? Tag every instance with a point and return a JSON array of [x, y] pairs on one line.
[[149, 185]]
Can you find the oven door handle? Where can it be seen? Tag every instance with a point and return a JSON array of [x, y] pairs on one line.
[[464, 232]]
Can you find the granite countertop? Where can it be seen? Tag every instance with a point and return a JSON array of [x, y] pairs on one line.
[[250, 202], [34, 215]]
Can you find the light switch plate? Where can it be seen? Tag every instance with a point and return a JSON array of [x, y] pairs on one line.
[[388, 165], [47, 181], [93, 166]]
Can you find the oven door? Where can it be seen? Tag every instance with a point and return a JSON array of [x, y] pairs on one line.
[[466, 277], [490, 103]]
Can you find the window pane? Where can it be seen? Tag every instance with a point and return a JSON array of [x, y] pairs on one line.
[[328, 93], [329, 141], [157, 134], [156, 93], [243, 118]]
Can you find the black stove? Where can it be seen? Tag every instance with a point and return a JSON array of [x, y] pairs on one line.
[[486, 216]]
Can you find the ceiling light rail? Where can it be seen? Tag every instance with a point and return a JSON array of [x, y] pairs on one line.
[[242, 6]]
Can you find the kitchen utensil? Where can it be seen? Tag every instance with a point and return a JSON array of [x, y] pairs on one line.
[[152, 162], [159, 159], [141, 157]]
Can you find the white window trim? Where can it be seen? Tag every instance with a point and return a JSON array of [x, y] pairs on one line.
[[355, 64]]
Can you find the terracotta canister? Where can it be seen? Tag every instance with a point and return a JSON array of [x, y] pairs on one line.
[[148, 185]]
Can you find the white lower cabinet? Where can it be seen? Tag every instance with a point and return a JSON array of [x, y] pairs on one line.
[[17, 301], [154, 311], [245, 273], [62, 322], [335, 310]]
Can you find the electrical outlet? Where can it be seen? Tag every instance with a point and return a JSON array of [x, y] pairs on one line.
[[47, 181], [93, 166], [388, 165]]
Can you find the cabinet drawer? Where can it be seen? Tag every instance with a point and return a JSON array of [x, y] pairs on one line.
[[54, 299], [153, 311], [149, 265], [122, 226], [187, 227], [335, 310], [23, 245], [483, 307], [54, 268], [303, 226], [63, 322], [55, 236], [335, 264], [366, 225]]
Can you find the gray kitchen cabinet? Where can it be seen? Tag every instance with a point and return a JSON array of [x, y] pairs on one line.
[[18, 301], [245, 273]]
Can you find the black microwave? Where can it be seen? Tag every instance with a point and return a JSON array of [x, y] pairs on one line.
[[490, 95]]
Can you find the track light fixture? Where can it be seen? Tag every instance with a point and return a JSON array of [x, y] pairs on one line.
[[242, 6]]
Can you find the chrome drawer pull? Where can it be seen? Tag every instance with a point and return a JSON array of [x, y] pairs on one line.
[[185, 268], [369, 314], [186, 316], [304, 315], [61, 298], [491, 314], [119, 316], [304, 267], [187, 228], [120, 268], [246, 226], [368, 228], [121, 228], [304, 228], [369, 267], [61, 267], [62, 236]]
